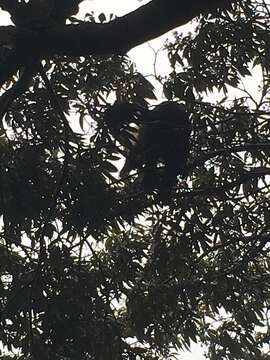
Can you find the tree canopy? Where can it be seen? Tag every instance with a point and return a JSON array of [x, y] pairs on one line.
[[91, 265]]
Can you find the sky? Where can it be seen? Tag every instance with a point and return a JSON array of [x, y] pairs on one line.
[[144, 57]]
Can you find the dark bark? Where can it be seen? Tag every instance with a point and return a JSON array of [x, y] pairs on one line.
[[116, 37], [120, 35]]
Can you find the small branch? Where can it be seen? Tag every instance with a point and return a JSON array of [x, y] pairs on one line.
[[256, 173], [115, 37], [250, 255], [223, 151]]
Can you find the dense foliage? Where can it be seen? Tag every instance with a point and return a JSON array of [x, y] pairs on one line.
[[91, 266]]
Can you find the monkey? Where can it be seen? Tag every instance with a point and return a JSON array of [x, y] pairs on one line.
[[162, 140], [160, 149]]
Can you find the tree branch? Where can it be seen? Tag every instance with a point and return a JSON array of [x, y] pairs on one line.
[[226, 151], [115, 37], [124, 33]]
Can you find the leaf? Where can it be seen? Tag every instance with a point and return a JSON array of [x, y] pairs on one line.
[[102, 17], [108, 166], [49, 230]]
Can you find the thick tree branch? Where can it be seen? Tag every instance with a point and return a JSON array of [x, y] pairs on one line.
[[120, 35], [116, 37]]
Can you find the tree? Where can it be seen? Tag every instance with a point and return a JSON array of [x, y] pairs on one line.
[[92, 266]]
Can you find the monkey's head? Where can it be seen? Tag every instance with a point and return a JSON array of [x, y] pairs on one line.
[[123, 120], [119, 115], [172, 115]]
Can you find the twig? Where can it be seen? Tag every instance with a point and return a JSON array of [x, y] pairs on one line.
[[225, 151]]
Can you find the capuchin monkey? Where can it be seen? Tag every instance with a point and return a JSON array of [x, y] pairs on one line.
[[160, 149]]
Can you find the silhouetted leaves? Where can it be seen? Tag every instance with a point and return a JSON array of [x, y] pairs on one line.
[[92, 266]]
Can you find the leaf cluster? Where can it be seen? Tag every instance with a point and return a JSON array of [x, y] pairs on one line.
[[91, 267]]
